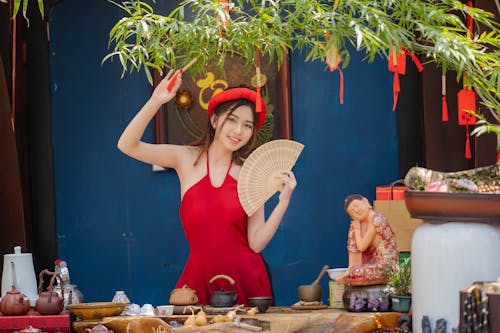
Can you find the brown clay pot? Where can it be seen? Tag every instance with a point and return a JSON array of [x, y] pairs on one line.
[[312, 292], [49, 302], [14, 303]]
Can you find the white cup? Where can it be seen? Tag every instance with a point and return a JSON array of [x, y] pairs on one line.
[[165, 310], [147, 310]]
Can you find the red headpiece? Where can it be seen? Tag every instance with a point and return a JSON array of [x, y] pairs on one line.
[[234, 94]]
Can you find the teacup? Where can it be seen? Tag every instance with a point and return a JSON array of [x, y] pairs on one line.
[[165, 310]]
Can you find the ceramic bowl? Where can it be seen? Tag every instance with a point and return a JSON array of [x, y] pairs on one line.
[[334, 273], [262, 303], [97, 310]]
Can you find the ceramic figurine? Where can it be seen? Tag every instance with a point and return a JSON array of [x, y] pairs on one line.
[[426, 325], [440, 326], [371, 244]]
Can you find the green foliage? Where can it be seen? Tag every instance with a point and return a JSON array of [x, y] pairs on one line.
[[17, 5], [400, 278], [432, 29]]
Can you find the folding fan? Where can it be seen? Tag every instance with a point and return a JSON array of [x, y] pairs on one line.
[[259, 175]]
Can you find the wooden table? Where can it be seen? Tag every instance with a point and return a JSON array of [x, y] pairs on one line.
[[279, 319]]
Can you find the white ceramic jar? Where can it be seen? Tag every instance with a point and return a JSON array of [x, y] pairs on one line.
[[447, 257]]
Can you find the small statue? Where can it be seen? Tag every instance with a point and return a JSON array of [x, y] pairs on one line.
[[440, 326], [426, 325], [371, 244]]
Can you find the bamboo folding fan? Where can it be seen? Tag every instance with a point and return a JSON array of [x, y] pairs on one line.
[[258, 179]]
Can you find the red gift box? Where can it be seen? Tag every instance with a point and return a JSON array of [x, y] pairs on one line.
[[49, 324], [384, 193]]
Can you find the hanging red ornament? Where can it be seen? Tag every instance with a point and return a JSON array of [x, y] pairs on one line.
[[467, 98], [223, 21], [466, 102], [397, 64], [333, 60], [258, 99], [469, 20], [226, 5]]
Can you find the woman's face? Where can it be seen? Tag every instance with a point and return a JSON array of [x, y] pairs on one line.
[[359, 209], [234, 129]]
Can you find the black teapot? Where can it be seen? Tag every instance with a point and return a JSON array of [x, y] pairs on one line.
[[222, 298]]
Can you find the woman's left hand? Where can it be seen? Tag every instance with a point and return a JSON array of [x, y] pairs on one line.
[[288, 185]]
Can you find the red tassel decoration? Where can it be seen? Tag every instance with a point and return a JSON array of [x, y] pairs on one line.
[[444, 104], [397, 64], [341, 89], [396, 88], [223, 22], [226, 5], [469, 20], [468, 154], [333, 59], [415, 59], [466, 102], [258, 99]]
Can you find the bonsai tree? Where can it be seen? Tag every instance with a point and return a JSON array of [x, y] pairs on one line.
[[399, 279]]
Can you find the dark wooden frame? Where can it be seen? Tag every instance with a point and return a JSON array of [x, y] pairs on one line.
[[283, 117]]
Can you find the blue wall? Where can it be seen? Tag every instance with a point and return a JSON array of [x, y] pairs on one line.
[[117, 221]]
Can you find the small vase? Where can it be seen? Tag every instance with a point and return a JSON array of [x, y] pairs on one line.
[[400, 303]]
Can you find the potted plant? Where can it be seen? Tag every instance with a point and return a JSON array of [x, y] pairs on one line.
[[399, 281]]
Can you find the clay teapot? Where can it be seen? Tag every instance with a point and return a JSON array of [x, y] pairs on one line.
[[100, 328], [14, 303], [222, 298], [183, 296], [49, 302], [30, 329]]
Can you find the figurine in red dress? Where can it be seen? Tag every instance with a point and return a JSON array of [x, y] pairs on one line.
[[371, 244], [223, 240]]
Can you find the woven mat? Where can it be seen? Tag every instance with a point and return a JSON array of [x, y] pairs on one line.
[[309, 306], [221, 310]]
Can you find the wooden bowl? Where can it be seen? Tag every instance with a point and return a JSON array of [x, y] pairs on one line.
[[262, 303], [97, 310]]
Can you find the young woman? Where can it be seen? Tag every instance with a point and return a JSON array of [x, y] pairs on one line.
[[222, 238], [371, 244]]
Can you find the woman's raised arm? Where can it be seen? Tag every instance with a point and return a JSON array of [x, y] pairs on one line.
[[130, 143]]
